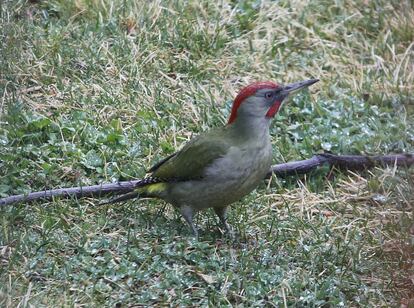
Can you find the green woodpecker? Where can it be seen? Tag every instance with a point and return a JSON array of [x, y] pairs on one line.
[[219, 167]]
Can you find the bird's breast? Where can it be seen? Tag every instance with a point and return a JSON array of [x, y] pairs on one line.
[[241, 165]]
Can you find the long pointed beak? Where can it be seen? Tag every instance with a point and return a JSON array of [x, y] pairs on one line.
[[298, 85]]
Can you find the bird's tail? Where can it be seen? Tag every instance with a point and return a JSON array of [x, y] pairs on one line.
[[146, 188], [124, 197]]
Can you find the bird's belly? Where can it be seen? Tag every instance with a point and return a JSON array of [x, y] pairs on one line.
[[226, 181]]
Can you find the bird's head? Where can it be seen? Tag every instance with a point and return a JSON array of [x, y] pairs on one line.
[[263, 99]]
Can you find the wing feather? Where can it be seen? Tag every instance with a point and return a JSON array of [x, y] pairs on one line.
[[192, 160]]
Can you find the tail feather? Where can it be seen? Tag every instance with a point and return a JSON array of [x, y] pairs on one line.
[[127, 196], [148, 187]]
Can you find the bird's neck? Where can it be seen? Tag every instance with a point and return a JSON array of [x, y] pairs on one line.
[[251, 127]]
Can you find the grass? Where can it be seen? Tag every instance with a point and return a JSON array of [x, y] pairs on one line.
[[96, 91]]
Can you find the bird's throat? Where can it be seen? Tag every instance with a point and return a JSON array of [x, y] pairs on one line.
[[256, 128]]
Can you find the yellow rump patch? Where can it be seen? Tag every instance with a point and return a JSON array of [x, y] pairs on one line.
[[155, 188]]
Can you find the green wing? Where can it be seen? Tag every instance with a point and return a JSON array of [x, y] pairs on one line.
[[191, 161]]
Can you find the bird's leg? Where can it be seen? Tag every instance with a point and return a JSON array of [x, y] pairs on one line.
[[188, 214], [222, 214]]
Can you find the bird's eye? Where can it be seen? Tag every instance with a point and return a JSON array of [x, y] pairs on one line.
[[269, 95]]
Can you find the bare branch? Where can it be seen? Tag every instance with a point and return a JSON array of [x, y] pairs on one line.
[[343, 162]]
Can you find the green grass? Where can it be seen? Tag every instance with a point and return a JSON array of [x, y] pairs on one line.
[[93, 91]]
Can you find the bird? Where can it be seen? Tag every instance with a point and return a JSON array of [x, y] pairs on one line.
[[221, 166]]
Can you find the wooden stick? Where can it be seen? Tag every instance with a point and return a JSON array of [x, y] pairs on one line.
[[343, 162]]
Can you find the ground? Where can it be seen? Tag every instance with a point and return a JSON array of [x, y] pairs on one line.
[[95, 91]]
